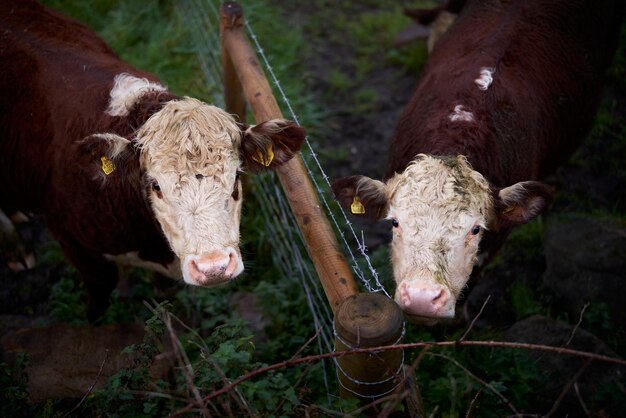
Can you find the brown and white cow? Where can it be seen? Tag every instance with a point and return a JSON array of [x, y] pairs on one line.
[[507, 94], [121, 169]]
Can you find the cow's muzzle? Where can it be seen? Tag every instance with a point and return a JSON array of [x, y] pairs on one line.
[[212, 268], [420, 299]]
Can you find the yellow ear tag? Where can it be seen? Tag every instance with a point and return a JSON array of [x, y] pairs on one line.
[[357, 207], [107, 165], [258, 156]]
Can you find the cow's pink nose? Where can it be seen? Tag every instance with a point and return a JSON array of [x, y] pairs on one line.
[[425, 300], [213, 268]]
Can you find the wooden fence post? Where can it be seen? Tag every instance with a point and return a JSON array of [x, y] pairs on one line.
[[231, 15], [361, 320], [319, 237]]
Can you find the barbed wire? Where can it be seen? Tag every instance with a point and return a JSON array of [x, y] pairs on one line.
[[321, 193]]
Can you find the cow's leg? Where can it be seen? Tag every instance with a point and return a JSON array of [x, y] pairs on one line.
[[99, 276], [13, 249]]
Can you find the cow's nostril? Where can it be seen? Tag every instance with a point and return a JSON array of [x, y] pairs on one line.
[[440, 299], [193, 266], [232, 264], [439, 296]]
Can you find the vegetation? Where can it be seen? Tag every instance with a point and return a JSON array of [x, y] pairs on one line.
[[211, 344]]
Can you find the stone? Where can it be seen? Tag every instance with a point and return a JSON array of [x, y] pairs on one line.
[[560, 370], [64, 361], [586, 262]]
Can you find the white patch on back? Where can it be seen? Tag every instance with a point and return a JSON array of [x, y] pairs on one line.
[[172, 270], [126, 91], [486, 78], [460, 115]]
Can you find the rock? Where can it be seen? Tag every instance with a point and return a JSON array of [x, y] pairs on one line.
[[516, 268], [586, 261], [13, 322], [65, 361], [560, 370], [487, 303]]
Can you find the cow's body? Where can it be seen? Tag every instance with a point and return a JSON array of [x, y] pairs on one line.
[[70, 106], [547, 61], [508, 93]]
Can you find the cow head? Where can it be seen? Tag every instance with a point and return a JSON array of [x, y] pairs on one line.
[[189, 156], [439, 209]]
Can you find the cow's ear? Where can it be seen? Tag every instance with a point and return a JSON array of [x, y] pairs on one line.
[[270, 144], [522, 202], [107, 155], [362, 196]]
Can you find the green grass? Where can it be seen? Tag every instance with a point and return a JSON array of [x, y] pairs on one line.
[[14, 387], [365, 32]]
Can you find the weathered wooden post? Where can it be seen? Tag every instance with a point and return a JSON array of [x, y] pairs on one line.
[[321, 243], [233, 94], [361, 319]]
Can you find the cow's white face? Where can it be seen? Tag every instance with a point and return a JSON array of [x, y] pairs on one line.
[[190, 155], [191, 160], [439, 208]]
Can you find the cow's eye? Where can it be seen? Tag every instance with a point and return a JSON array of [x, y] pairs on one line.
[[394, 223], [156, 189], [199, 176], [475, 229]]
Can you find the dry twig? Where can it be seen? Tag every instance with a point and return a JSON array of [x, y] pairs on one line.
[[580, 320], [471, 405], [567, 387], [106, 356], [478, 379], [471, 325], [318, 357]]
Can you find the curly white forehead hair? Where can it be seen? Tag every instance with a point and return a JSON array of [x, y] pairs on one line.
[[190, 136], [446, 181]]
